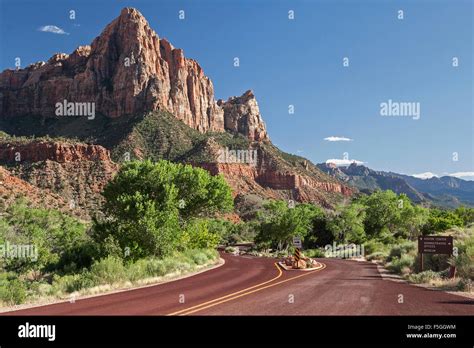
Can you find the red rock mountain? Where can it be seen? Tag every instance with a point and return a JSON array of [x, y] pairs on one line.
[[128, 70], [134, 78]]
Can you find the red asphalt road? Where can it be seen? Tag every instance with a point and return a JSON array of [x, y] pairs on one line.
[[342, 288]]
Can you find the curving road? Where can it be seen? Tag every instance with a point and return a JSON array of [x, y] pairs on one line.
[[256, 286]]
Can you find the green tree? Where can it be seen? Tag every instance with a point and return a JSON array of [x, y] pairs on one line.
[[279, 223], [320, 234], [197, 235], [441, 220], [49, 234], [466, 214], [348, 223], [148, 205], [389, 216]]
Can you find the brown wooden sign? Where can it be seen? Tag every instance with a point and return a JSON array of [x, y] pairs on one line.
[[435, 245]]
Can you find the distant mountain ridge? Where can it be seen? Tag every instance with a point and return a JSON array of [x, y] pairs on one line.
[[446, 191]]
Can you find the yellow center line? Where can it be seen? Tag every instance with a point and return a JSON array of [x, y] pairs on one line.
[[323, 266], [232, 294]]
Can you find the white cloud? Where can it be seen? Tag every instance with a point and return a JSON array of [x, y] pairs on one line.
[[462, 175], [52, 29], [344, 162], [426, 175], [337, 139]]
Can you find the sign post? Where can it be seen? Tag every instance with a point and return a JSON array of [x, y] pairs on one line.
[[434, 245], [297, 242], [298, 245]]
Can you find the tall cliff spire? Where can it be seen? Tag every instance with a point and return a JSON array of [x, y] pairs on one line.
[[128, 70]]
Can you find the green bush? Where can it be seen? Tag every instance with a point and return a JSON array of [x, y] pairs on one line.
[[399, 265], [372, 246], [72, 282], [197, 256], [314, 253], [378, 256], [196, 235], [12, 291], [465, 285], [155, 268], [464, 262], [435, 262], [108, 270], [51, 233], [424, 277], [464, 266], [138, 270], [212, 254], [401, 249], [230, 249]]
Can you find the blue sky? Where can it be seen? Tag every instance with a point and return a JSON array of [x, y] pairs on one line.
[[300, 62]]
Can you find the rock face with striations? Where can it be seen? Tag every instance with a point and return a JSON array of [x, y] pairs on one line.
[[242, 115], [127, 70], [36, 151], [75, 172]]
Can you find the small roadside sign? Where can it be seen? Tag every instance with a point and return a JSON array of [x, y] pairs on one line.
[[435, 245], [297, 242]]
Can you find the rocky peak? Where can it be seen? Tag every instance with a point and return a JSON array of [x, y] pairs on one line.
[[356, 169], [128, 70], [242, 115]]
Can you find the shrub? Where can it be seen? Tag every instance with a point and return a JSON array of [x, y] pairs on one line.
[[78, 257], [230, 249], [156, 268], [197, 256], [378, 256], [138, 270], [400, 249], [464, 285], [464, 262], [397, 265], [12, 291], [182, 267], [424, 277], [314, 253], [108, 270], [197, 235], [51, 232], [464, 266], [212, 254], [72, 282], [372, 246]]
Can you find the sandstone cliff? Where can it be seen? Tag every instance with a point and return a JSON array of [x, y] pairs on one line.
[[13, 188], [77, 173], [127, 70], [152, 102]]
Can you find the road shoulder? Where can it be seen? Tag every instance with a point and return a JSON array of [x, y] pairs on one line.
[[149, 282]]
